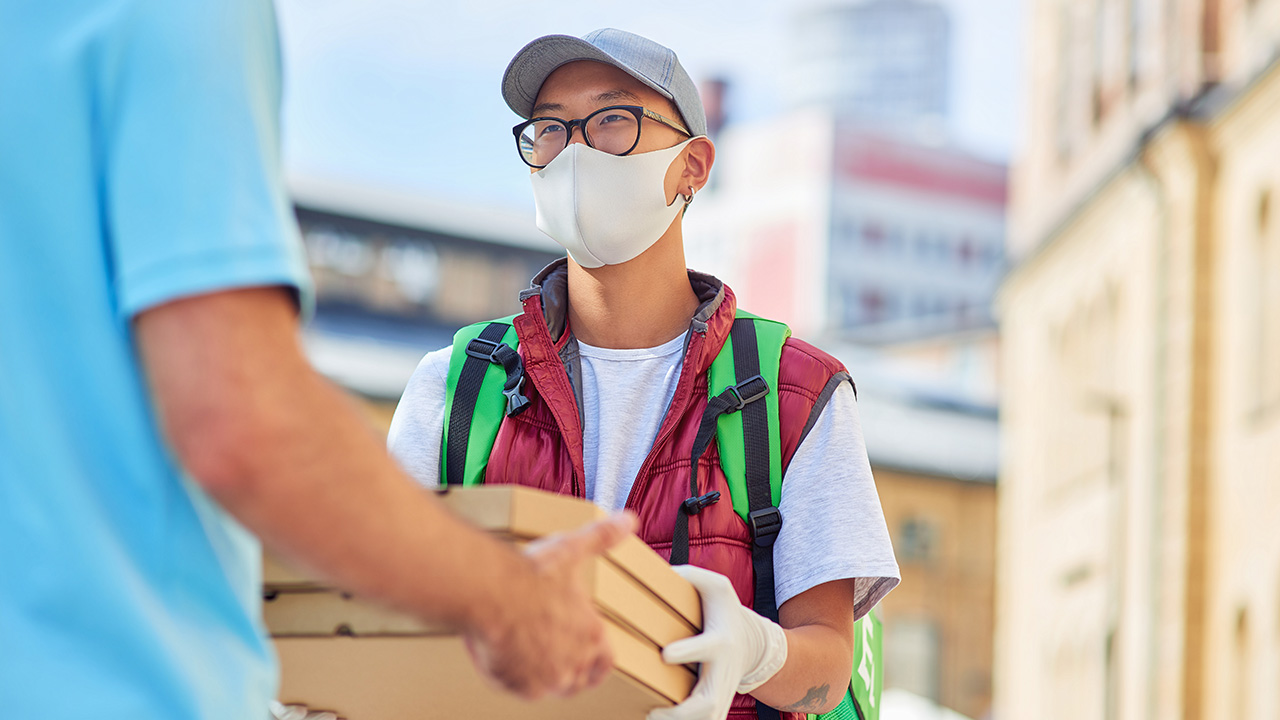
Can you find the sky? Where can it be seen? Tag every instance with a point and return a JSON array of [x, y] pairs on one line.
[[405, 95]]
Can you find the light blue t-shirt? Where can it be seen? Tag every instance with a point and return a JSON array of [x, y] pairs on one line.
[[139, 163]]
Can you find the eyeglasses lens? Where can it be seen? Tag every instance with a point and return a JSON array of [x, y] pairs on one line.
[[608, 130]]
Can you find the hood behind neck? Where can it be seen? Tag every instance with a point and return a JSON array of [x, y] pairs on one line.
[[552, 284]]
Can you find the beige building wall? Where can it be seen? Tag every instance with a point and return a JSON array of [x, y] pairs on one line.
[[1139, 558], [944, 536], [1242, 663]]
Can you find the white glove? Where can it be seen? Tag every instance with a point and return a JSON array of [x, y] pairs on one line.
[[739, 650]]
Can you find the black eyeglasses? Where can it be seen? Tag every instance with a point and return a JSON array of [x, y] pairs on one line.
[[614, 129]]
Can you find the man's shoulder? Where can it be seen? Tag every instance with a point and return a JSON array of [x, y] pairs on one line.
[[803, 367], [432, 370], [800, 354], [807, 368]]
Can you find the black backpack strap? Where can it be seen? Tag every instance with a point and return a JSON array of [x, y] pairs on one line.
[[765, 519], [733, 399], [484, 350]]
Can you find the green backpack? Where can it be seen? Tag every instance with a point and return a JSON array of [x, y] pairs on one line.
[[484, 385]]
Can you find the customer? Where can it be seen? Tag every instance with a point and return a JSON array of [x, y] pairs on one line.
[[156, 410]]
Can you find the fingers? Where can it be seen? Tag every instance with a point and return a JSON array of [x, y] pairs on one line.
[[558, 646], [588, 541], [592, 673], [698, 648], [604, 534], [599, 671], [706, 581]]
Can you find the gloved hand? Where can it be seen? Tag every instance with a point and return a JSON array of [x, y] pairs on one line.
[[739, 650]]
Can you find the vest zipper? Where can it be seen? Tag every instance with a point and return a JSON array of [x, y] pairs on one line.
[[687, 376]]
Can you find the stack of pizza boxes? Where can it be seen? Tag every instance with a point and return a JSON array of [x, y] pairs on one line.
[[362, 662]]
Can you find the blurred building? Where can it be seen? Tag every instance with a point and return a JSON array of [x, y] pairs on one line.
[[397, 275], [841, 230], [850, 215], [850, 219], [882, 62], [1139, 565], [935, 458]]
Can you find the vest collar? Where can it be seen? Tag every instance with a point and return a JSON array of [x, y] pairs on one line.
[[713, 317]]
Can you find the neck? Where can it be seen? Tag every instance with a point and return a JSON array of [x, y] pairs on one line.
[[639, 304]]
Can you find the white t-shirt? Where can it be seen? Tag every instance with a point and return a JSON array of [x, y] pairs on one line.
[[833, 527]]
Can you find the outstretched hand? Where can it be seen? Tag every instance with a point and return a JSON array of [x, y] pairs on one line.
[[548, 638]]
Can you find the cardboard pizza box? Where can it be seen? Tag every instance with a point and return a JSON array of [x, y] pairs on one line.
[[326, 612], [521, 513], [331, 646], [424, 677], [367, 663]]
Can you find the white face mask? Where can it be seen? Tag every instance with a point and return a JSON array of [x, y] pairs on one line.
[[605, 209]]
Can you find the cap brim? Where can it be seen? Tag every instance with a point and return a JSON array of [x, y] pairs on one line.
[[537, 60]]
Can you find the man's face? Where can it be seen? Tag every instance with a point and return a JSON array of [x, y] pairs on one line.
[[577, 89]]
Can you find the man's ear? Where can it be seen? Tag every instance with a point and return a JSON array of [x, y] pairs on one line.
[[700, 155]]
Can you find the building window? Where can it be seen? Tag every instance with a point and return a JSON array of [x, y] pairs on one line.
[[912, 657], [1137, 22], [846, 233], [922, 244], [1097, 76], [966, 251], [1243, 667], [1211, 40], [1065, 90], [873, 234], [917, 540], [872, 302], [1265, 307]]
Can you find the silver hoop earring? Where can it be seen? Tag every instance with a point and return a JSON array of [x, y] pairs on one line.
[[689, 200]]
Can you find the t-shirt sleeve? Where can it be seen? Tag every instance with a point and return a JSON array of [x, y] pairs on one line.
[[833, 527], [190, 130], [418, 423]]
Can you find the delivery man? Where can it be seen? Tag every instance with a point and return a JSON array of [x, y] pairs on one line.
[[616, 341], [156, 410]]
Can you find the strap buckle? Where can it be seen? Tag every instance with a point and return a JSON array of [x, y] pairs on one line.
[[486, 350], [765, 525], [695, 505], [516, 401], [748, 391]]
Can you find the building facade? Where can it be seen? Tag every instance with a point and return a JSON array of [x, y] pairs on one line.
[[1139, 567], [935, 458], [397, 275], [939, 622], [852, 232]]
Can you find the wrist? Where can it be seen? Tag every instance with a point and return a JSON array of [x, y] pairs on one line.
[[772, 656]]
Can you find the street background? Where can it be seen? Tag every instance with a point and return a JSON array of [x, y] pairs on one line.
[[1040, 233]]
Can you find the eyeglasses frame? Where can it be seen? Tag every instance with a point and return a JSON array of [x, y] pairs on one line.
[[638, 111]]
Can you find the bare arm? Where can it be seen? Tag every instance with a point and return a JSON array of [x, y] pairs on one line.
[[819, 628], [289, 456]]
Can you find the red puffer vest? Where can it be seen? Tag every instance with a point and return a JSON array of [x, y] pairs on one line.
[[542, 446]]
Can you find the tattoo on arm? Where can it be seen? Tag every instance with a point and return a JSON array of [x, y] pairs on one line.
[[814, 699]]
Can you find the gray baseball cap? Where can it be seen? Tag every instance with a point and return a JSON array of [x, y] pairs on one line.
[[641, 58]]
